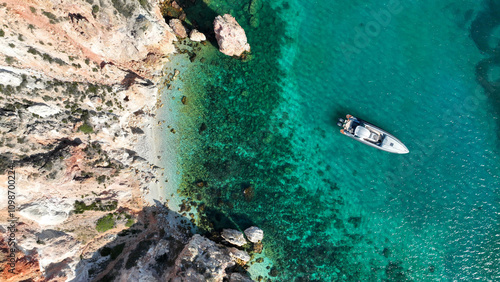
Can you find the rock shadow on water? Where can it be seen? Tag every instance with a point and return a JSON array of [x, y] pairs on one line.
[[482, 33], [483, 25]]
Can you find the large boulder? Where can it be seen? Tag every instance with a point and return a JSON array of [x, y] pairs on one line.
[[201, 260], [230, 36], [239, 254], [234, 237], [178, 28], [254, 234]]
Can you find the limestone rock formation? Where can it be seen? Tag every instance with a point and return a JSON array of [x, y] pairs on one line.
[[197, 36], [254, 234], [234, 237], [78, 80], [230, 36], [43, 110], [48, 211], [202, 260], [238, 277], [178, 28], [239, 254]]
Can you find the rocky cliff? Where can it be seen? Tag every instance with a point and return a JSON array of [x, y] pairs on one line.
[[78, 94], [77, 91]]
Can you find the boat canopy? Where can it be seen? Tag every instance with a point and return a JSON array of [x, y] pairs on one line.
[[362, 132]]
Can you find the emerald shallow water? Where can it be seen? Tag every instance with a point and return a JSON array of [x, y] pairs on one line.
[[261, 132]]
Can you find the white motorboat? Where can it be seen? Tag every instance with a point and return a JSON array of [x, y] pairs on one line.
[[371, 135]]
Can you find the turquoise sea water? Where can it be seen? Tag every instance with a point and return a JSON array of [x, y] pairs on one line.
[[331, 208]]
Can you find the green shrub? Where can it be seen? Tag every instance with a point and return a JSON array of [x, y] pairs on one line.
[[9, 60], [60, 62], [33, 9], [2, 33], [95, 9], [33, 51], [100, 179], [129, 223], [50, 15], [81, 207], [144, 4], [85, 128], [105, 223]]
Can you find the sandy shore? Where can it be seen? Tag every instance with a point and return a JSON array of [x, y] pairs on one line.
[[162, 140]]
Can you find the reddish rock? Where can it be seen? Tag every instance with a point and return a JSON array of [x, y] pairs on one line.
[[178, 28]]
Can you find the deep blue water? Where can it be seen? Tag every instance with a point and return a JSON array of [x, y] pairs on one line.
[[332, 208]]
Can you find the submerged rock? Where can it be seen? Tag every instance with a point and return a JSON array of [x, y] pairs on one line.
[[178, 28], [249, 193], [254, 234], [234, 237], [197, 36], [230, 36]]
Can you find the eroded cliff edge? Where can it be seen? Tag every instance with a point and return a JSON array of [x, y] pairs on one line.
[[78, 91]]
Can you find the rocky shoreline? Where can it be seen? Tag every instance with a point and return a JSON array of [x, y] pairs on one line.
[[79, 83]]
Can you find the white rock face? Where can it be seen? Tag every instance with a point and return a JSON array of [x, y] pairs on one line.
[[52, 247], [47, 211], [178, 28], [9, 78], [230, 36], [239, 254], [44, 110], [254, 234], [234, 237], [197, 36]]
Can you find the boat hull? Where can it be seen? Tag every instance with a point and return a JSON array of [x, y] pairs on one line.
[[372, 135]]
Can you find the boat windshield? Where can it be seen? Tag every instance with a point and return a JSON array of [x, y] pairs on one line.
[[362, 132]]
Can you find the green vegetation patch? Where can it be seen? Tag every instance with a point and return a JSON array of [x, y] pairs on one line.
[[81, 207], [129, 222], [95, 9], [50, 15], [144, 4], [125, 9], [105, 223], [46, 57], [9, 60], [86, 128], [2, 33]]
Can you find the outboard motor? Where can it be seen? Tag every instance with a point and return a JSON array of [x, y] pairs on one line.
[[340, 124], [341, 119]]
